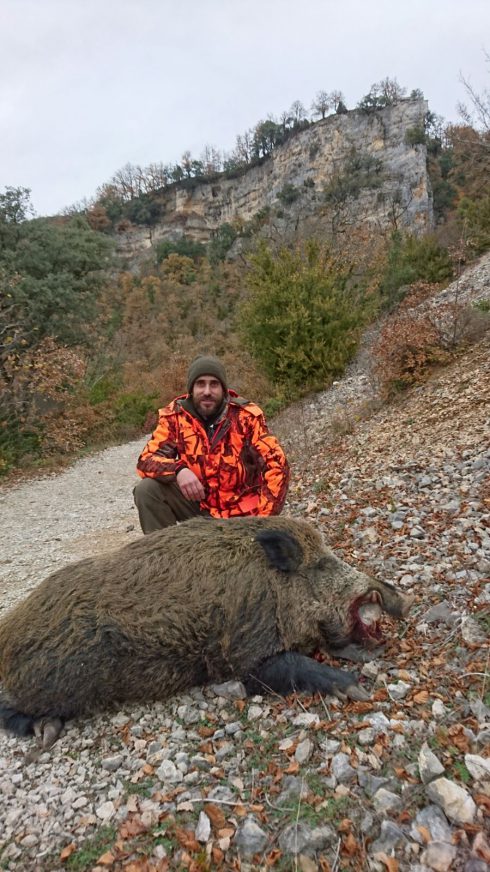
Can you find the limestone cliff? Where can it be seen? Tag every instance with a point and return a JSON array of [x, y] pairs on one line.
[[355, 168]]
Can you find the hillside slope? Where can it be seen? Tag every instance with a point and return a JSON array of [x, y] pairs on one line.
[[399, 783]]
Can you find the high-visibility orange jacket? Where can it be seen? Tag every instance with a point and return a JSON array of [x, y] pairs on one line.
[[241, 466]]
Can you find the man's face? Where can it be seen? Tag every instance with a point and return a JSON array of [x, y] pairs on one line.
[[207, 395]]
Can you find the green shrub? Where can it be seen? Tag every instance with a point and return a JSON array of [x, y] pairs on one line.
[[288, 194], [131, 409], [443, 197], [221, 243], [475, 214], [482, 305], [143, 210], [17, 442], [302, 317], [185, 247], [415, 136], [103, 389], [411, 259], [361, 170], [273, 405]]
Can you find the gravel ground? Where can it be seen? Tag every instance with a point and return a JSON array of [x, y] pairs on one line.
[[210, 780]]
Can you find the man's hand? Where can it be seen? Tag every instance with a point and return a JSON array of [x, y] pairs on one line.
[[190, 485]]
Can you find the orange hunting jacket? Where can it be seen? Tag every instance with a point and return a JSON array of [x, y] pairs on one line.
[[241, 466]]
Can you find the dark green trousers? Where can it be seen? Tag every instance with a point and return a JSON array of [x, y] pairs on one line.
[[162, 504]]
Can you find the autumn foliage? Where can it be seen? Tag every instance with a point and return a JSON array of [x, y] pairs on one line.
[[418, 336]]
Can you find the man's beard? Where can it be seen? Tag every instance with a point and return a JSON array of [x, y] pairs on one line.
[[208, 411]]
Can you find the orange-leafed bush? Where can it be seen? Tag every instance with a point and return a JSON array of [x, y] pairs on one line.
[[53, 375], [408, 344]]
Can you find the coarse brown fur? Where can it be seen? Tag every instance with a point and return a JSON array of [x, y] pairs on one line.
[[194, 603]]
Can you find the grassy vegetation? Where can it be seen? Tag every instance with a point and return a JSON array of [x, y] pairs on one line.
[[86, 857]]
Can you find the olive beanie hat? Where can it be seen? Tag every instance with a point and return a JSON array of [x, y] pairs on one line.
[[205, 364]]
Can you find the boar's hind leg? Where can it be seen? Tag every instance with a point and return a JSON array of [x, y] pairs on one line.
[[14, 721], [289, 671]]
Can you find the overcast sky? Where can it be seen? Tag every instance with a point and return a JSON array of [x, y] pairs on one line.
[[88, 85]]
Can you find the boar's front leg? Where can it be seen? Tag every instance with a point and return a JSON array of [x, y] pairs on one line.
[[289, 671]]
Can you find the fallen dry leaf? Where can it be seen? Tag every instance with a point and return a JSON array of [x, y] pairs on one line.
[[483, 801], [345, 825], [187, 839], [106, 859], [350, 846], [215, 815], [390, 862], [359, 708], [481, 848], [132, 827], [459, 738], [67, 851]]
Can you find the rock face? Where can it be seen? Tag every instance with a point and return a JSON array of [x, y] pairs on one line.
[[371, 175]]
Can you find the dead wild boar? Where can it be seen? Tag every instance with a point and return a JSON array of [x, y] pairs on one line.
[[204, 601]]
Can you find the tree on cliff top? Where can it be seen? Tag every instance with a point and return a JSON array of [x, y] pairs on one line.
[[387, 92]]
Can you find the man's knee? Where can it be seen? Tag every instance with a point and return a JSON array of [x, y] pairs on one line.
[[147, 490]]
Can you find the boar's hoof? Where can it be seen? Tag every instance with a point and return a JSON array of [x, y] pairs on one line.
[[47, 730], [355, 692]]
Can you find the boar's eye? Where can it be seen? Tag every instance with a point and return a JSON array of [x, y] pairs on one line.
[[326, 562], [282, 550]]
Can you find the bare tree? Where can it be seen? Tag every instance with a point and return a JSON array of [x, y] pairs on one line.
[[212, 159], [321, 104], [285, 120], [479, 113], [244, 147], [157, 175], [391, 90], [127, 182], [186, 163], [297, 112]]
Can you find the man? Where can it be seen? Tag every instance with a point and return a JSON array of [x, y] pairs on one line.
[[211, 454]]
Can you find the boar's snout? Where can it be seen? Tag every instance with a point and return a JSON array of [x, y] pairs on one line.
[[392, 601]]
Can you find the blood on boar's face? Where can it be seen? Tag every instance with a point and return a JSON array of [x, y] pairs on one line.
[[350, 603]]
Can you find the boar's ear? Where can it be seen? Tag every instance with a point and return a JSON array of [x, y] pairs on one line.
[[282, 550]]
